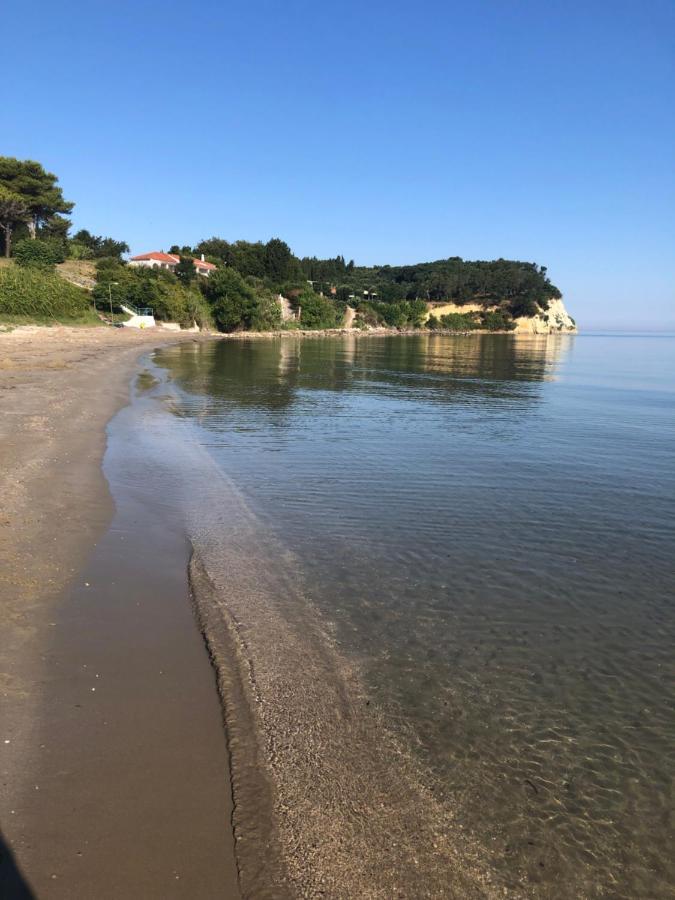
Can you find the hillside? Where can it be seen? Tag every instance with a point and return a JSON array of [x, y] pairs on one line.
[[508, 290]]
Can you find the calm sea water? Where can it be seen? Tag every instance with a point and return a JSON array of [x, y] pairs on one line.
[[489, 524]]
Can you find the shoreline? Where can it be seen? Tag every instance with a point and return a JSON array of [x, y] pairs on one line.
[[380, 332], [60, 387], [64, 386], [327, 800]]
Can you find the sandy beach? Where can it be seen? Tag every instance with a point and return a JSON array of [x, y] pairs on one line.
[[66, 828]]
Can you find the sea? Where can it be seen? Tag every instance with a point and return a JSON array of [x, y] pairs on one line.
[[483, 528]]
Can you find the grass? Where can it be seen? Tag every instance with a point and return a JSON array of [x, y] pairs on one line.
[[87, 320], [40, 294]]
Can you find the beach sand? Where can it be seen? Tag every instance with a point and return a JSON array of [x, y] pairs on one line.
[[113, 770]]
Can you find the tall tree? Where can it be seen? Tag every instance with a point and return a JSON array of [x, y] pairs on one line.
[[13, 211], [278, 260], [185, 270], [85, 245], [38, 189]]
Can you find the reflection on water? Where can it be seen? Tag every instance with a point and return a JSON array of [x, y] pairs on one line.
[[488, 522]]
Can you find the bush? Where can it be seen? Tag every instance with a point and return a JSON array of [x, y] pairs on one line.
[[232, 301], [198, 311], [267, 313], [237, 303], [525, 306], [459, 321], [35, 293], [40, 254], [496, 320], [368, 315], [318, 312], [453, 322]]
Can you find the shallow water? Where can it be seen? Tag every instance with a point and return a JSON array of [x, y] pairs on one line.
[[487, 524]]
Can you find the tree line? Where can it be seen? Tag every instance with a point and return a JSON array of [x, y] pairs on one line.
[[243, 291], [518, 288]]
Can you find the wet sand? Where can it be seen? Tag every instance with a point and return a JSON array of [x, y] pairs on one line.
[[115, 785]]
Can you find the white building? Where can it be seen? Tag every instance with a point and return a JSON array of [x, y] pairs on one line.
[[158, 260]]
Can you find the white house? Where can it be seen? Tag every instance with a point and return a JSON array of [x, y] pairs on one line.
[[158, 260]]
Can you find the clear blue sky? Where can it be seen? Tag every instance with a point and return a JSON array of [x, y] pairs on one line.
[[389, 132]]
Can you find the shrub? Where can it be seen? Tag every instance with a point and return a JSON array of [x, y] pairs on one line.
[[458, 322], [497, 320], [318, 312], [198, 311], [40, 254], [36, 293], [232, 301], [367, 314], [267, 313]]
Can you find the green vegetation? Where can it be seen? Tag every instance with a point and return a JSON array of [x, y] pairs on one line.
[[185, 271], [388, 295], [316, 311], [85, 245], [161, 291], [517, 286], [40, 254], [40, 200], [13, 212], [403, 314], [242, 293], [238, 304], [38, 295], [487, 320], [32, 206]]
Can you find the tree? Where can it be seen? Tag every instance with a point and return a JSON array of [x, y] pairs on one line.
[[232, 301], [13, 211], [55, 227], [278, 261], [38, 189], [85, 245], [185, 270]]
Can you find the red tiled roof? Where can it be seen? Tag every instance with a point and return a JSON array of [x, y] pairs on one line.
[[160, 257], [171, 259]]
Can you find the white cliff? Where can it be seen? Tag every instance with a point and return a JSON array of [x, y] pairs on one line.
[[554, 320]]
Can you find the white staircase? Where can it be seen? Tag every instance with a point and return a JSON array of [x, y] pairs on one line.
[[140, 318]]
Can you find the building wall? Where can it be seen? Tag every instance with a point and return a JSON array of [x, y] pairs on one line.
[[151, 264]]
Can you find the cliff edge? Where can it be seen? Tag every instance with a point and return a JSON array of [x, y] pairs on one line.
[[554, 320]]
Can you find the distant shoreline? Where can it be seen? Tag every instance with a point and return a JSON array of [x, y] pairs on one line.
[[374, 332]]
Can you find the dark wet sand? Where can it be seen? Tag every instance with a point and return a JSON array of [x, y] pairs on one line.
[[116, 785], [134, 797]]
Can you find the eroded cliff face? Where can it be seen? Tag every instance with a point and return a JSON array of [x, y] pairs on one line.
[[554, 320]]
